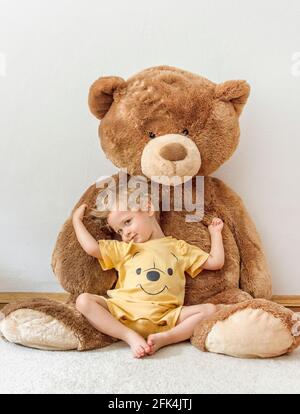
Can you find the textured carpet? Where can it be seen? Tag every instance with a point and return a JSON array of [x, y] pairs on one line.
[[178, 368]]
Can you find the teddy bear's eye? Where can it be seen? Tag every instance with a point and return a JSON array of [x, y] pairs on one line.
[[152, 135], [185, 132]]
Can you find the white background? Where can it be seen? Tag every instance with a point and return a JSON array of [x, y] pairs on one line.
[[50, 53]]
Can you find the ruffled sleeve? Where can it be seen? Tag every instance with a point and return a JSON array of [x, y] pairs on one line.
[[193, 257], [113, 253]]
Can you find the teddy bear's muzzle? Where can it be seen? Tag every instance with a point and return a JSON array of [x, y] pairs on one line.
[[170, 159]]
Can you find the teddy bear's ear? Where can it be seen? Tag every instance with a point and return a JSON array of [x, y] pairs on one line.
[[235, 91], [101, 94]]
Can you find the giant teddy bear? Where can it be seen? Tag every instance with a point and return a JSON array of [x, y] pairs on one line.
[[168, 122]]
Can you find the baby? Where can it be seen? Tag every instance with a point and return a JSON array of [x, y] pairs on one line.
[[145, 309]]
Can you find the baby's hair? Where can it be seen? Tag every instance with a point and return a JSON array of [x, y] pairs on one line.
[[107, 200]]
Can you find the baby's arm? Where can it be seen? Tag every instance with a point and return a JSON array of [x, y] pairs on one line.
[[215, 260], [86, 240]]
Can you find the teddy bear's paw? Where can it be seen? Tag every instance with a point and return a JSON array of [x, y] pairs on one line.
[[252, 329], [296, 324], [36, 329]]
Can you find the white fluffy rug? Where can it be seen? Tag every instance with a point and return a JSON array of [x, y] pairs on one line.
[[178, 368]]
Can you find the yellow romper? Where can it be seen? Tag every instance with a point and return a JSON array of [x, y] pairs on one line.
[[149, 293]]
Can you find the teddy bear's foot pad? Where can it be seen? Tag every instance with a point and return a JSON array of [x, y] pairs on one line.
[[252, 329]]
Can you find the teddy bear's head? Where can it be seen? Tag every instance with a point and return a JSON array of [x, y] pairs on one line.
[[167, 122]]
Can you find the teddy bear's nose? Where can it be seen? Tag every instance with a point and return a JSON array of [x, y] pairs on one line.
[[173, 152], [153, 275]]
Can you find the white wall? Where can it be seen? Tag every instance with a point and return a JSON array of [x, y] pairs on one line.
[[50, 53]]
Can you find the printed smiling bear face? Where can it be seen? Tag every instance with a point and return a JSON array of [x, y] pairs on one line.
[[165, 121], [154, 281], [153, 277]]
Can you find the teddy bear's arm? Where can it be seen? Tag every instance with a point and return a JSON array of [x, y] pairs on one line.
[[75, 269], [255, 276]]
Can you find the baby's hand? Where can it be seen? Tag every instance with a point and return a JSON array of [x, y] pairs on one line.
[[216, 225], [79, 212]]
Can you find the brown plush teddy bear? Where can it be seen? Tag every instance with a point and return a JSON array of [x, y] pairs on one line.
[[167, 122]]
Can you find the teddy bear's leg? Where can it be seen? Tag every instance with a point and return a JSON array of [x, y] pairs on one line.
[[229, 296], [250, 329], [50, 325]]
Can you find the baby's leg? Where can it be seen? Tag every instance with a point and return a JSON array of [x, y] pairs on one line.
[[95, 309], [184, 328], [187, 311]]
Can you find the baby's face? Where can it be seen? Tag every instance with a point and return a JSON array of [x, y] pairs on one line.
[[134, 226]]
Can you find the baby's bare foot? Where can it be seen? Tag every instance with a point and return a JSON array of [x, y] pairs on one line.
[[156, 341], [138, 344]]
